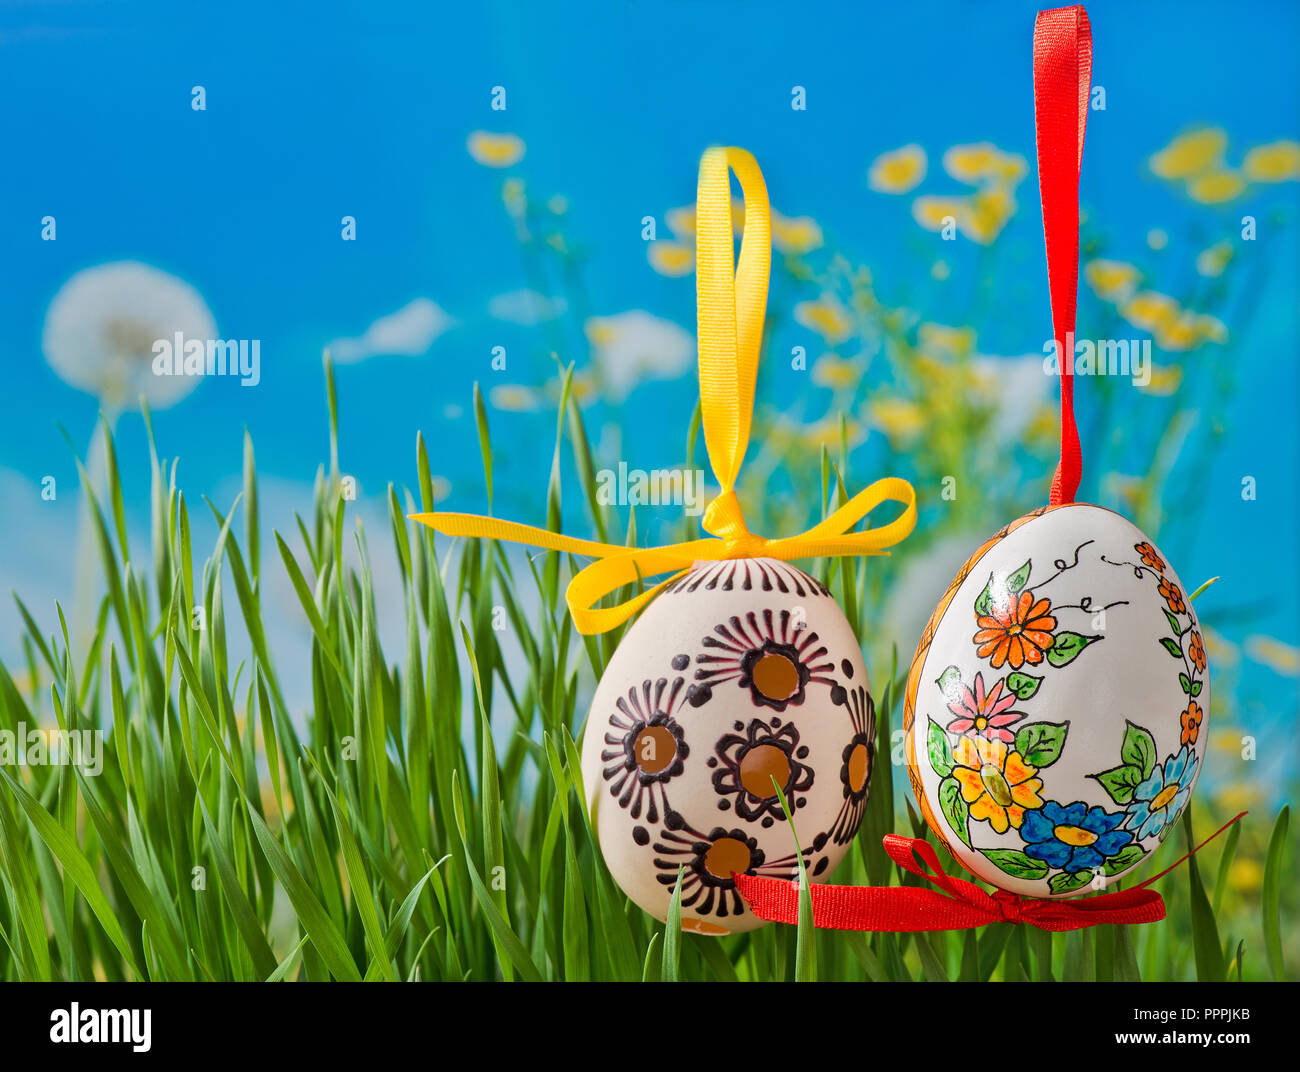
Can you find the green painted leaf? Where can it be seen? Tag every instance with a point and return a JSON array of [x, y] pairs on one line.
[[940, 751], [1016, 864], [1067, 646], [1023, 685], [1196, 688], [1186, 683], [950, 682], [1124, 859], [984, 601], [955, 809], [1019, 579], [1068, 883], [1172, 646], [1173, 622], [1040, 743], [1138, 748], [1119, 782]]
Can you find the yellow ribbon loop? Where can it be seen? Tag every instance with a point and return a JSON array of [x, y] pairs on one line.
[[731, 298]]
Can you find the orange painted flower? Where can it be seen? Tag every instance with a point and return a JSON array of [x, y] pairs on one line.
[[1018, 631], [1196, 649], [1173, 596], [1149, 556], [1191, 723], [996, 783]]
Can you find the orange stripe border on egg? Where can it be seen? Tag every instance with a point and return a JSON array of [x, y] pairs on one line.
[[923, 649]]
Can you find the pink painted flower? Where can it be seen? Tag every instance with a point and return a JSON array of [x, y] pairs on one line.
[[984, 714]]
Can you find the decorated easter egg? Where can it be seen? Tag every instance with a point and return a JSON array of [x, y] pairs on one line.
[[1055, 709], [741, 674]]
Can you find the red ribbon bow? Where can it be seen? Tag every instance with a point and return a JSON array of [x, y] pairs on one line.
[[960, 906]]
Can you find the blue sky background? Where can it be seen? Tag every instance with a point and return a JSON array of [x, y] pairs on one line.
[[317, 112]]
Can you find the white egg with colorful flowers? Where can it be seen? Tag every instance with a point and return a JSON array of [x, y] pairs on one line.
[[742, 676], [1055, 712]]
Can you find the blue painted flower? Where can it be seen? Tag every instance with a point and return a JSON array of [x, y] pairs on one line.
[[1159, 800], [1073, 837]]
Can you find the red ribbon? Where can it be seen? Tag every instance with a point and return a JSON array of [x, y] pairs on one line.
[[961, 905], [1062, 86]]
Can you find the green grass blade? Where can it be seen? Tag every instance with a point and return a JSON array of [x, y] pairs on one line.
[[1272, 892]]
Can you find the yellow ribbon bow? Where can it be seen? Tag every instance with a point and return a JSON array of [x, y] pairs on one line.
[[731, 306]]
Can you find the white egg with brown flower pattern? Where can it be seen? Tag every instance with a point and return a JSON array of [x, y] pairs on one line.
[[741, 673]]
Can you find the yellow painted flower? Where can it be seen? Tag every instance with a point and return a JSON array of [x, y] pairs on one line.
[[795, 236], [1165, 380], [1278, 161], [834, 372], [898, 171], [1273, 653], [495, 150], [900, 419], [827, 317], [671, 258], [997, 784], [1216, 187], [933, 213], [1190, 154], [1211, 262], [1112, 281], [1150, 310]]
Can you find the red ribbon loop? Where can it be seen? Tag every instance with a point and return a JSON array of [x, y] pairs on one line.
[[1062, 86]]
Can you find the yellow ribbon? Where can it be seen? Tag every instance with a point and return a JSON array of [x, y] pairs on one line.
[[731, 304]]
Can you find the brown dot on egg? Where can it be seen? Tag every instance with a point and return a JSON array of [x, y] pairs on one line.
[[655, 748], [760, 765], [859, 767], [775, 676], [726, 855]]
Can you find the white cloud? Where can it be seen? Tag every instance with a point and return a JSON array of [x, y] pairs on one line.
[[409, 332], [526, 307]]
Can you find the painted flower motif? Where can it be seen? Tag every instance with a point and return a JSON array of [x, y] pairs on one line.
[[986, 714], [1159, 800], [1173, 596], [1074, 837], [997, 784], [1191, 723], [1196, 651], [1016, 632], [1149, 556]]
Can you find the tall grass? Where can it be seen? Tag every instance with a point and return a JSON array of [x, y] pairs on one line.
[[425, 821]]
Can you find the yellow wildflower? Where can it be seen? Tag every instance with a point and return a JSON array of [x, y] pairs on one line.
[[1278, 161], [1150, 310], [898, 171], [826, 316], [1188, 330], [990, 210], [1111, 281], [933, 213], [1157, 238], [495, 150], [681, 221], [1165, 380], [1216, 187], [984, 162], [795, 236], [940, 337], [1211, 262], [899, 418], [513, 397], [1190, 154], [940, 271], [671, 258], [1273, 653], [834, 372], [1245, 875]]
